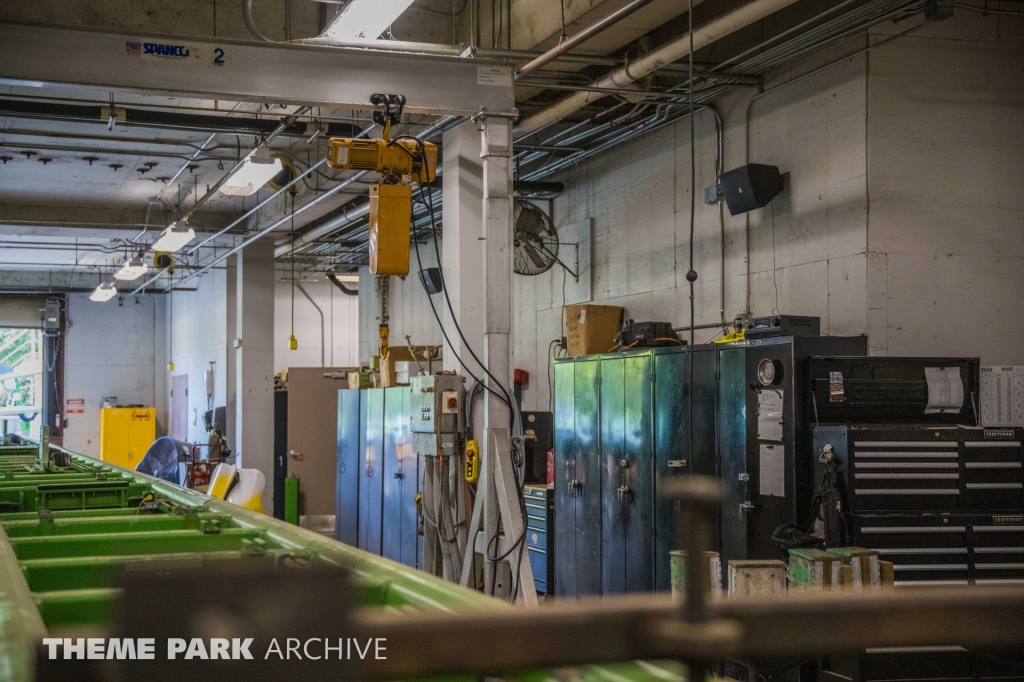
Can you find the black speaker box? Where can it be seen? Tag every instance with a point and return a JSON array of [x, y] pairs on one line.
[[751, 186]]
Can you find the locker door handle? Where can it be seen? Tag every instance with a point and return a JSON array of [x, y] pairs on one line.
[[295, 454], [398, 474], [625, 495], [575, 488]]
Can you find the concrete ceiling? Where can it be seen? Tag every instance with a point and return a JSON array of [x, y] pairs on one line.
[[73, 194]]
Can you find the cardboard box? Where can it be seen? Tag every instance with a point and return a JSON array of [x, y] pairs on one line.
[[389, 366], [591, 329]]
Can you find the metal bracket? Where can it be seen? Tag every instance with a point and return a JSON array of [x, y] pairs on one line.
[[389, 109]]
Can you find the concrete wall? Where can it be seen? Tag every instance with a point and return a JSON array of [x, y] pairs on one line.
[[341, 324], [112, 351], [945, 146], [197, 335], [409, 308], [900, 217]]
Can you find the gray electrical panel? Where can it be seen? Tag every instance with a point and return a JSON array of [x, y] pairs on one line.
[[435, 409]]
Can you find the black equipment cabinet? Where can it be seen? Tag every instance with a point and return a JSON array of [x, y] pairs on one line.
[[877, 390], [924, 468], [766, 466], [577, 478], [346, 525]]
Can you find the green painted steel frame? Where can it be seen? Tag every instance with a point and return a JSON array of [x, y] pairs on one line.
[[61, 567]]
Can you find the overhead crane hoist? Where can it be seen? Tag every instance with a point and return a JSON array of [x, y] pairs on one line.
[[400, 161]]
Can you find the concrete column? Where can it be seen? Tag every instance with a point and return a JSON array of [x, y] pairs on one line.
[[230, 375], [463, 252], [495, 153], [254, 361]]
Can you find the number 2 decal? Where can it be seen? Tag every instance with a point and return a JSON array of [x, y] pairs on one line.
[[218, 60]]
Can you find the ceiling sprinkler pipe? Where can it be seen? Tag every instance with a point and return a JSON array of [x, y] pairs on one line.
[[657, 58]]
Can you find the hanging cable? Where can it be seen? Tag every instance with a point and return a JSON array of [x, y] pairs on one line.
[[691, 274], [293, 343]]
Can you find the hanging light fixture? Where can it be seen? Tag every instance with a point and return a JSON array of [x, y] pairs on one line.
[[365, 19], [104, 292], [173, 238], [131, 270], [255, 171]]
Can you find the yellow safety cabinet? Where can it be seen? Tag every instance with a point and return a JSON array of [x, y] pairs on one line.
[[126, 434]]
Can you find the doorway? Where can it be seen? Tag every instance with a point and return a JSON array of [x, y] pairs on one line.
[[179, 408]]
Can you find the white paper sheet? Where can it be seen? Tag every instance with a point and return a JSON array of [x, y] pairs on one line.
[[945, 390], [1002, 396], [769, 414], [773, 470]]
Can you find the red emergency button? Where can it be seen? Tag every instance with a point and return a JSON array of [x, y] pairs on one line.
[[453, 402]]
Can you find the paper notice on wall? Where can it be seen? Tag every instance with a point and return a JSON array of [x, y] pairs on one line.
[[773, 470], [945, 390], [769, 414], [1002, 396]]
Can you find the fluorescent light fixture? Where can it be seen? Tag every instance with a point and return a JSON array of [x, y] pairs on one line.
[[104, 292], [132, 269], [251, 175], [173, 238], [365, 19], [347, 278]]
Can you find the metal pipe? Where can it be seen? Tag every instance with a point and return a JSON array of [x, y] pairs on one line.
[[306, 293], [647, 627], [166, 120], [285, 122], [250, 23], [258, 206], [632, 92], [326, 228], [329, 193], [581, 37], [657, 58]]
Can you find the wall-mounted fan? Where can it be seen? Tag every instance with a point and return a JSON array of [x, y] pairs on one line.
[[534, 239]]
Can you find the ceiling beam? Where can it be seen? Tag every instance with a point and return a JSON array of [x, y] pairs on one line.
[[280, 73]]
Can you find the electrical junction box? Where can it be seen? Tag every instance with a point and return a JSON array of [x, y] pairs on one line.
[[435, 413], [51, 316]]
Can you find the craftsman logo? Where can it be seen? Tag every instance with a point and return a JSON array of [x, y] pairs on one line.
[[165, 50], [1008, 520], [1001, 434]]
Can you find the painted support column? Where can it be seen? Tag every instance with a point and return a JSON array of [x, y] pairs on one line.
[[254, 361], [230, 375], [462, 184], [496, 157]]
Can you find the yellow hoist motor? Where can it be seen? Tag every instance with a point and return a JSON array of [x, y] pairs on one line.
[[401, 161]]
